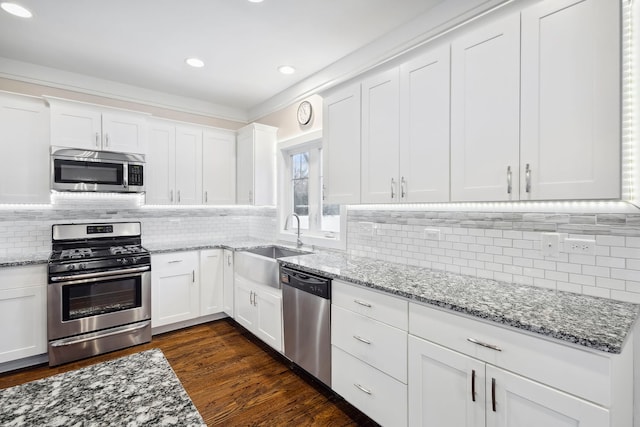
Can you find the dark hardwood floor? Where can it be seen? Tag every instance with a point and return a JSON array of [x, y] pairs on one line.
[[232, 378]]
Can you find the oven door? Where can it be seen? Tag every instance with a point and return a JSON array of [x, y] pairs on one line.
[[95, 301]]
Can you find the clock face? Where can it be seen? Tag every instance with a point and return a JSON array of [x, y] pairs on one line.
[[304, 112]]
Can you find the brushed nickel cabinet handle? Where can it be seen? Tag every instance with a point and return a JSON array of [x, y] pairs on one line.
[[403, 192], [359, 338], [171, 195], [178, 196], [509, 180], [393, 188], [527, 174], [484, 344], [362, 303], [493, 394], [97, 139], [362, 388], [473, 385], [206, 196], [229, 260], [193, 276], [174, 261], [106, 139]]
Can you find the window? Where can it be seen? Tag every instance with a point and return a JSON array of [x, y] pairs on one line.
[[301, 193]]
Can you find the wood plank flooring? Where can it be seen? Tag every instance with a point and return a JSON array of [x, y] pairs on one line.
[[233, 379]]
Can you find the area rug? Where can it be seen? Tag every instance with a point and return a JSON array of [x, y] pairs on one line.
[[136, 390]]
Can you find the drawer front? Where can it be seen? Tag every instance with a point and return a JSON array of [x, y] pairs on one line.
[[174, 262], [380, 345], [579, 372], [23, 276], [376, 394], [378, 306]]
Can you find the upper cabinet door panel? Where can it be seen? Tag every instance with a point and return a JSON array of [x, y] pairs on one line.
[[123, 133], [76, 127], [160, 165], [218, 168], [341, 146], [424, 127], [188, 165], [571, 99], [485, 106], [380, 137]]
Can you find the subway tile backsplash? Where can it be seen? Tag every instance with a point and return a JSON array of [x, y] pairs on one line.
[[506, 247]]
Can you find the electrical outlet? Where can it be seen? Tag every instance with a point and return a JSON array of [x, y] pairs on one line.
[[580, 246], [550, 245], [432, 234]]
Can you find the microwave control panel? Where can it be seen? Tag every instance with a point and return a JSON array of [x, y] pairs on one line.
[[135, 175]]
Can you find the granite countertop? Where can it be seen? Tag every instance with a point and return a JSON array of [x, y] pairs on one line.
[[597, 323], [135, 390], [16, 260], [194, 245]]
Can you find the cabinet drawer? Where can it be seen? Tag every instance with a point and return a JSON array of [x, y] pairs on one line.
[[580, 372], [23, 276], [380, 345], [376, 394], [174, 262], [378, 306]]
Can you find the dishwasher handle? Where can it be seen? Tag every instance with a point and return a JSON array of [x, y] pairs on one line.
[[309, 283]]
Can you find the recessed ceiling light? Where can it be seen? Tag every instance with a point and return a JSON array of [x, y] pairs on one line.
[[195, 62], [16, 9], [286, 69]]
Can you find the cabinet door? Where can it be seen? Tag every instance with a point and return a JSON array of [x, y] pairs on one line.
[[160, 166], [571, 100], [175, 289], [424, 127], [211, 281], [76, 127], [485, 106], [245, 169], [227, 305], [341, 146], [264, 179], [245, 311], [24, 132], [269, 318], [188, 165], [218, 168], [23, 326], [524, 403], [446, 388], [380, 138], [123, 132]]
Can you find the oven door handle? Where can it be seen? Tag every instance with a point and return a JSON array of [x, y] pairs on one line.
[[105, 274], [96, 335]]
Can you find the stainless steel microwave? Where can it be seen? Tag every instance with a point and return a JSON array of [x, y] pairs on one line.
[[98, 171]]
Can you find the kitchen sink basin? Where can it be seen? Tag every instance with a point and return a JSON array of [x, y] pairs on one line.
[[260, 265], [275, 252]]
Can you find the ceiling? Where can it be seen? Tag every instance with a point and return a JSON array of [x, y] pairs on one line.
[[144, 43]]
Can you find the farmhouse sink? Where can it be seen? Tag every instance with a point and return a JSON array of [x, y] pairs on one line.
[[260, 265]]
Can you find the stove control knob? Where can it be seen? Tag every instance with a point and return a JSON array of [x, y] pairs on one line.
[[124, 261], [71, 267], [82, 266]]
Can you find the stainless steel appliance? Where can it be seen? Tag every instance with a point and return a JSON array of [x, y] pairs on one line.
[[306, 304], [99, 292], [98, 171]]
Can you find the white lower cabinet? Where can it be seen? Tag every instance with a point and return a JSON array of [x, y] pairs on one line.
[[23, 312], [259, 309], [369, 352], [228, 280], [175, 288], [464, 372], [211, 281]]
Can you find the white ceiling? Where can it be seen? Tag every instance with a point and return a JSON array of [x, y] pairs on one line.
[[143, 43]]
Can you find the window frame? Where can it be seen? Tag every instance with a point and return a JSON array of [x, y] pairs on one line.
[[306, 142]]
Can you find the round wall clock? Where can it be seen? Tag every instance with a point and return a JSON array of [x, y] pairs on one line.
[[304, 112]]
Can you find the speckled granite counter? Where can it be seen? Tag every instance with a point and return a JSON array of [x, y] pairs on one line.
[[140, 389], [17, 260], [194, 245], [597, 323]]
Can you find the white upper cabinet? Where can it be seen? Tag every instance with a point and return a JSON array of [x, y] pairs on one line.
[[380, 138], [218, 167], [341, 146], [256, 165], [174, 164], [24, 139], [485, 106], [424, 127], [571, 100], [95, 128]]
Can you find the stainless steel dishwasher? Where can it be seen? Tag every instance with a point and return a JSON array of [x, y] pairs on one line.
[[306, 304]]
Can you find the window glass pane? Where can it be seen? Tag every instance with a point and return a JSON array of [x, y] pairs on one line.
[[300, 187], [330, 218]]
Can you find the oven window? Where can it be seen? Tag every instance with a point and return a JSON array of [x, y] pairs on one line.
[[72, 171], [92, 299]]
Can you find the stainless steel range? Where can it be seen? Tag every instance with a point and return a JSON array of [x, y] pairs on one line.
[[99, 293]]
